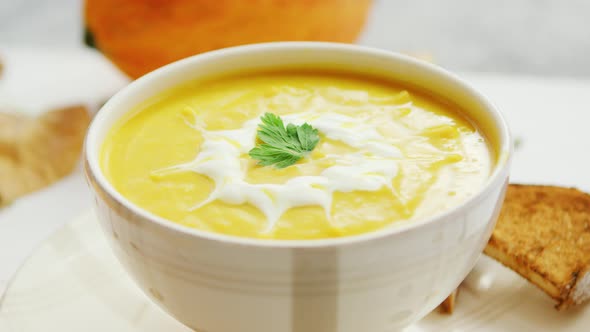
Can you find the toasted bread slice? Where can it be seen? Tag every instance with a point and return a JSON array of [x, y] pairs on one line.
[[543, 233], [35, 152], [448, 305]]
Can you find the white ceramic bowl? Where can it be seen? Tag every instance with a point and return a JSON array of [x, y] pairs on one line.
[[375, 282]]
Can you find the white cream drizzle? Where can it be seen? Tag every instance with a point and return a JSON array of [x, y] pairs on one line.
[[372, 167]]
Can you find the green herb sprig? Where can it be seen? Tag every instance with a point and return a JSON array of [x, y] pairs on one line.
[[282, 146]]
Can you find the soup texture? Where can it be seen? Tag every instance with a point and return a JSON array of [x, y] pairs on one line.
[[385, 155]]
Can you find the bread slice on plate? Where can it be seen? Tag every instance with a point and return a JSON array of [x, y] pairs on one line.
[[37, 151], [543, 233]]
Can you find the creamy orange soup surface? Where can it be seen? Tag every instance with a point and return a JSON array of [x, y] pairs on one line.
[[386, 154]]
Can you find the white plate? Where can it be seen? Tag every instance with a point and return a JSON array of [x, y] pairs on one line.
[[73, 283]]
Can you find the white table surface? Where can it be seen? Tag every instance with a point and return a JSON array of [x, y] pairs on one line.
[[551, 118]]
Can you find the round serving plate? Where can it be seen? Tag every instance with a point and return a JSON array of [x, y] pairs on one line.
[[73, 283]]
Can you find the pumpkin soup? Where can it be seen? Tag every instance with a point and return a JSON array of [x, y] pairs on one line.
[[295, 155]]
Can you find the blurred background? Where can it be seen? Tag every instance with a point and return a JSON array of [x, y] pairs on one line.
[[531, 37]]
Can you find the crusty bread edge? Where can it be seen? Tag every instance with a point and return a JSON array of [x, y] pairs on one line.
[[576, 291], [560, 294], [579, 289]]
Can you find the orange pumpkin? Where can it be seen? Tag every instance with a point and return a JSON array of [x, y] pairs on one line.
[[142, 35]]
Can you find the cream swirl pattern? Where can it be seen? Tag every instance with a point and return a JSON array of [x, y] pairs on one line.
[[371, 168]]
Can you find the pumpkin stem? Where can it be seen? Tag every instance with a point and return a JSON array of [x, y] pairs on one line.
[[89, 38]]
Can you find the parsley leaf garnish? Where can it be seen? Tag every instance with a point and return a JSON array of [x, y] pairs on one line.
[[282, 146]]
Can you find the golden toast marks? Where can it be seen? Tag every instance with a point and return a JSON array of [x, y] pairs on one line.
[[543, 234]]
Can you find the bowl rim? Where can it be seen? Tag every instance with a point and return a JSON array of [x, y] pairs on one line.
[[500, 170]]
